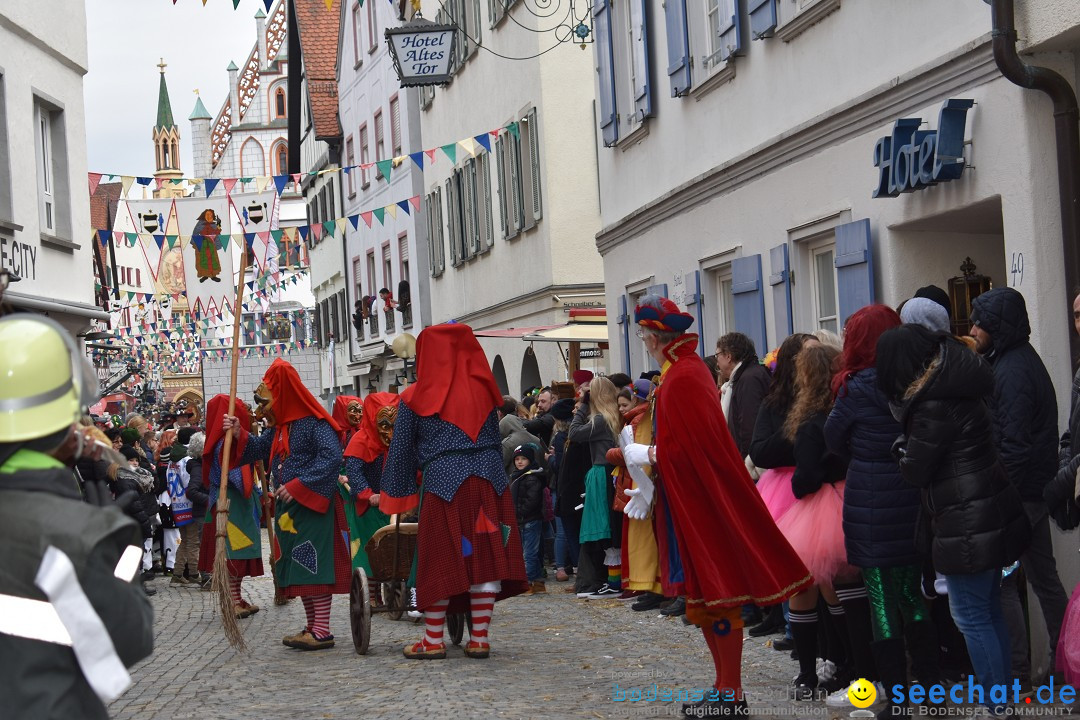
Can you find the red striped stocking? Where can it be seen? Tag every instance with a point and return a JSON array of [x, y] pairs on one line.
[[234, 589], [481, 605], [320, 624], [309, 610], [434, 622]]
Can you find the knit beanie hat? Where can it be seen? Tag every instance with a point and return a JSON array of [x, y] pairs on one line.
[[933, 292], [925, 312], [130, 436], [562, 409], [582, 376], [526, 451], [183, 435]]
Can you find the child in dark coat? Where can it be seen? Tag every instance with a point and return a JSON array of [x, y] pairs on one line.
[[527, 484]]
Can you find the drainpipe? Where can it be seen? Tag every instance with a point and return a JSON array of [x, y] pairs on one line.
[[1066, 130]]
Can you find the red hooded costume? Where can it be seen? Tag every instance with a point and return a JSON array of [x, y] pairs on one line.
[[341, 416]]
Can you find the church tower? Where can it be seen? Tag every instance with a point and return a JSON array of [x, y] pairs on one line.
[[166, 142]]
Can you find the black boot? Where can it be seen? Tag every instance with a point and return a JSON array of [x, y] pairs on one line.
[[892, 669], [922, 644], [772, 624]]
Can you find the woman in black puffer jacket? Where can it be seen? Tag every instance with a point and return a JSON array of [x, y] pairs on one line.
[[939, 389]]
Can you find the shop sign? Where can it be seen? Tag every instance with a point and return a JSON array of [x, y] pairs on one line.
[[590, 354], [912, 159]]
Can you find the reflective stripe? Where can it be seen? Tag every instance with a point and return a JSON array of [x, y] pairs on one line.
[[24, 403], [93, 646], [128, 564], [32, 619]]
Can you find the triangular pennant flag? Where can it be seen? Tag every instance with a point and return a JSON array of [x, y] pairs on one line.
[[317, 231], [296, 179], [430, 156], [392, 210], [210, 184], [379, 213], [279, 183], [304, 230], [451, 152], [262, 182], [229, 183], [158, 182], [329, 4], [197, 241], [223, 241], [235, 4], [418, 158], [160, 240], [404, 205], [249, 239], [131, 238], [268, 4], [170, 240], [342, 223], [328, 228], [290, 233], [144, 181], [103, 236], [355, 220], [468, 145], [125, 183], [276, 234], [384, 168], [366, 217], [415, 202], [94, 179], [514, 129], [484, 140]]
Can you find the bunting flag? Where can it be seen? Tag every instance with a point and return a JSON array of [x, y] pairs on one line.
[[470, 145]]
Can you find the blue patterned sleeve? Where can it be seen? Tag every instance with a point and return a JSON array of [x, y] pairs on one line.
[[257, 448], [399, 472], [326, 462], [354, 470]]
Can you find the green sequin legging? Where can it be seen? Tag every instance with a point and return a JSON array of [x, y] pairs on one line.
[[894, 593]]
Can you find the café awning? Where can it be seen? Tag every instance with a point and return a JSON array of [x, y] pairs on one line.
[[573, 332], [513, 332]]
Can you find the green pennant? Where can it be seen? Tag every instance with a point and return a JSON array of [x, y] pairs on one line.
[[328, 228], [379, 213], [223, 242], [276, 234], [451, 151], [235, 4], [385, 166], [131, 238], [514, 129], [171, 240]]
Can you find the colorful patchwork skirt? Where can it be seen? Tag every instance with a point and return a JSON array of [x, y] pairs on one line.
[[314, 550], [243, 540]]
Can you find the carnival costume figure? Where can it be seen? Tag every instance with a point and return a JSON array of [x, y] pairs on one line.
[[729, 551], [364, 460], [243, 539], [304, 455], [348, 414], [468, 548]]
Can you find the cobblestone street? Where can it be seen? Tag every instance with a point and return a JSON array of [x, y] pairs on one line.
[[553, 656]]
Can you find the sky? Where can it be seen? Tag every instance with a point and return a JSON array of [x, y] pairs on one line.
[[127, 39]]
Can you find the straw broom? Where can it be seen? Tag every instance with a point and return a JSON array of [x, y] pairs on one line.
[[220, 583]]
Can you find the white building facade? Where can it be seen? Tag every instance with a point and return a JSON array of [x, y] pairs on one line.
[[380, 121], [744, 172], [510, 233], [45, 234]]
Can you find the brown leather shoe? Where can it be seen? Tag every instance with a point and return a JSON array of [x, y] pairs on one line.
[[537, 587], [307, 641], [420, 651], [245, 609], [477, 650], [291, 640]]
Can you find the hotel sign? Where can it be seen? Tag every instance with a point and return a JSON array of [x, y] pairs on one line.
[[912, 159], [422, 51]]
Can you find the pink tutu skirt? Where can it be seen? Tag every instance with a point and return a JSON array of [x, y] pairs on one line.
[[814, 528], [775, 488], [1068, 647]]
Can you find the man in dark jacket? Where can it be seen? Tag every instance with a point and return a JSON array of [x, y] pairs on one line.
[[1024, 407], [543, 425], [736, 358], [73, 620]]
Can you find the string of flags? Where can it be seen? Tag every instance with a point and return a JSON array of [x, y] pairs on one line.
[[269, 3], [423, 158]]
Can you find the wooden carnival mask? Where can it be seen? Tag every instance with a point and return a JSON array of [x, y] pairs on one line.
[[264, 403], [354, 413], [384, 423]]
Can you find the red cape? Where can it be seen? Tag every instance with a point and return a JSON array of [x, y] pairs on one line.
[[366, 443], [341, 416], [454, 380], [215, 412], [731, 549], [292, 401]]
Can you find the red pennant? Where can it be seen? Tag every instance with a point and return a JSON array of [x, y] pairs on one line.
[[158, 182], [366, 217], [229, 184], [94, 179], [415, 202], [296, 179], [431, 155]]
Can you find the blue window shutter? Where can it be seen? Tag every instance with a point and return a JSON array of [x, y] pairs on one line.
[[625, 320], [780, 280], [678, 47], [854, 267], [731, 33], [639, 22], [762, 18], [748, 298], [692, 284], [605, 68]]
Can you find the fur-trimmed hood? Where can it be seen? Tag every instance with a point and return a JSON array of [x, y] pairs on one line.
[[956, 373]]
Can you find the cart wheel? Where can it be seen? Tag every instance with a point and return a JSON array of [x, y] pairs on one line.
[[455, 625], [397, 599], [360, 611]]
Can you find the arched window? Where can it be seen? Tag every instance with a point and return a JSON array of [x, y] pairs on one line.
[[279, 102], [252, 161], [281, 158]]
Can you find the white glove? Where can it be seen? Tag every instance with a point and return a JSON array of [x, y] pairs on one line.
[[636, 507], [626, 437], [636, 454]]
